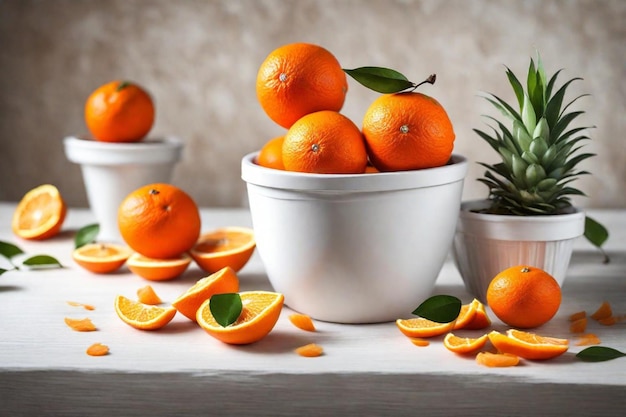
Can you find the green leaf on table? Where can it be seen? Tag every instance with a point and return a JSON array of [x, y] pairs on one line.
[[599, 354], [597, 234], [42, 261], [439, 308], [9, 250], [382, 80], [86, 235], [2, 271], [226, 308]]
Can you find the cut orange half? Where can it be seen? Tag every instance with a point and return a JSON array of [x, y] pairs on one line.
[[258, 317], [158, 269], [228, 246], [39, 214], [528, 345], [421, 327], [223, 281], [464, 345], [142, 316], [101, 258]]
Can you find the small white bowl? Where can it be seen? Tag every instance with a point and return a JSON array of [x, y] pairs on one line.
[[358, 248], [113, 170]]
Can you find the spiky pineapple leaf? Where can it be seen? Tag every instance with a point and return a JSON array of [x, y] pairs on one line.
[[517, 86]]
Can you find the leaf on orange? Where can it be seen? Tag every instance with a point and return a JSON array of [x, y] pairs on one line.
[[420, 327], [588, 339], [311, 350], [497, 360], [98, 349], [147, 295], [302, 322], [80, 325], [528, 345], [603, 312], [464, 345], [578, 326], [142, 316]]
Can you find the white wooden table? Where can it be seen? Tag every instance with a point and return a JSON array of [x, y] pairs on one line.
[[366, 369]]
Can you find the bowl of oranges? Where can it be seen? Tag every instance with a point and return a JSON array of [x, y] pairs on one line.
[[353, 224]]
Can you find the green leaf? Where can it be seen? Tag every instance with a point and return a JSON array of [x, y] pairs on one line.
[[87, 234], [599, 354], [225, 308], [439, 308], [9, 250], [42, 261], [597, 234], [2, 271], [382, 80]]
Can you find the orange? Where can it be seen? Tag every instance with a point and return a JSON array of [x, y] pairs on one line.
[[311, 350], [497, 360], [298, 79], [603, 312], [464, 345], [228, 246], [142, 316], [147, 295], [302, 322], [158, 269], [406, 131], [325, 142], [524, 296], [223, 281], [421, 327], [577, 316], [578, 326], [258, 317], [98, 349], [528, 345], [119, 111], [159, 221], [271, 154], [39, 214], [80, 325], [101, 258]]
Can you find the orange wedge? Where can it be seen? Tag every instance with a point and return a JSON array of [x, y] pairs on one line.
[[101, 258], [528, 345], [464, 345], [158, 269], [497, 360], [481, 320], [223, 281], [421, 327], [228, 246], [147, 295], [302, 322], [142, 316], [258, 317], [39, 214]]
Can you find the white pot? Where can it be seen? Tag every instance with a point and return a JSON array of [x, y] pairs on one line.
[[357, 248], [112, 170], [486, 244]]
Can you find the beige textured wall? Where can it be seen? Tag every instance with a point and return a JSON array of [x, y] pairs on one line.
[[199, 60]]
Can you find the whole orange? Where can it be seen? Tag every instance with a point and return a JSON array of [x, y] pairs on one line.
[[298, 79], [524, 296], [119, 111], [271, 154], [407, 131], [324, 142], [159, 221]]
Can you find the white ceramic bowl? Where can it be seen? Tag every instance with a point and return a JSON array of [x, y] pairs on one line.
[[358, 248], [112, 170]]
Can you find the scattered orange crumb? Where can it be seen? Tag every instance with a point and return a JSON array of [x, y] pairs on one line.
[[147, 295], [310, 351], [578, 326], [98, 349], [302, 321], [588, 339], [80, 325], [608, 321], [578, 315], [603, 312], [419, 342], [497, 360], [85, 306]]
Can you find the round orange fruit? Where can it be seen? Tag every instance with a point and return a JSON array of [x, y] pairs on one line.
[[101, 258], [298, 79], [406, 131], [40, 213], [158, 269], [524, 296], [271, 154], [119, 111], [159, 221]]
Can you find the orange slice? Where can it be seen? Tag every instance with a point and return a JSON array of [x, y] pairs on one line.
[[228, 246], [481, 320], [302, 322], [258, 317], [142, 316], [311, 350], [147, 295], [39, 214], [421, 327], [528, 345], [158, 269], [101, 258], [464, 345], [98, 349], [603, 312], [497, 360], [223, 281]]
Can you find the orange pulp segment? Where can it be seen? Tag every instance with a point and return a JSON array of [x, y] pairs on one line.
[[147, 295], [577, 316], [142, 316], [228, 246], [223, 281], [311, 350], [258, 317], [464, 345], [80, 325], [528, 345], [421, 327], [97, 349], [588, 339], [39, 214], [578, 326], [101, 258], [497, 360], [158, 269], [603, 312], [302, 322]]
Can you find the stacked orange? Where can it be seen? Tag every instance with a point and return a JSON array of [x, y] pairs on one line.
[[302, 87]]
